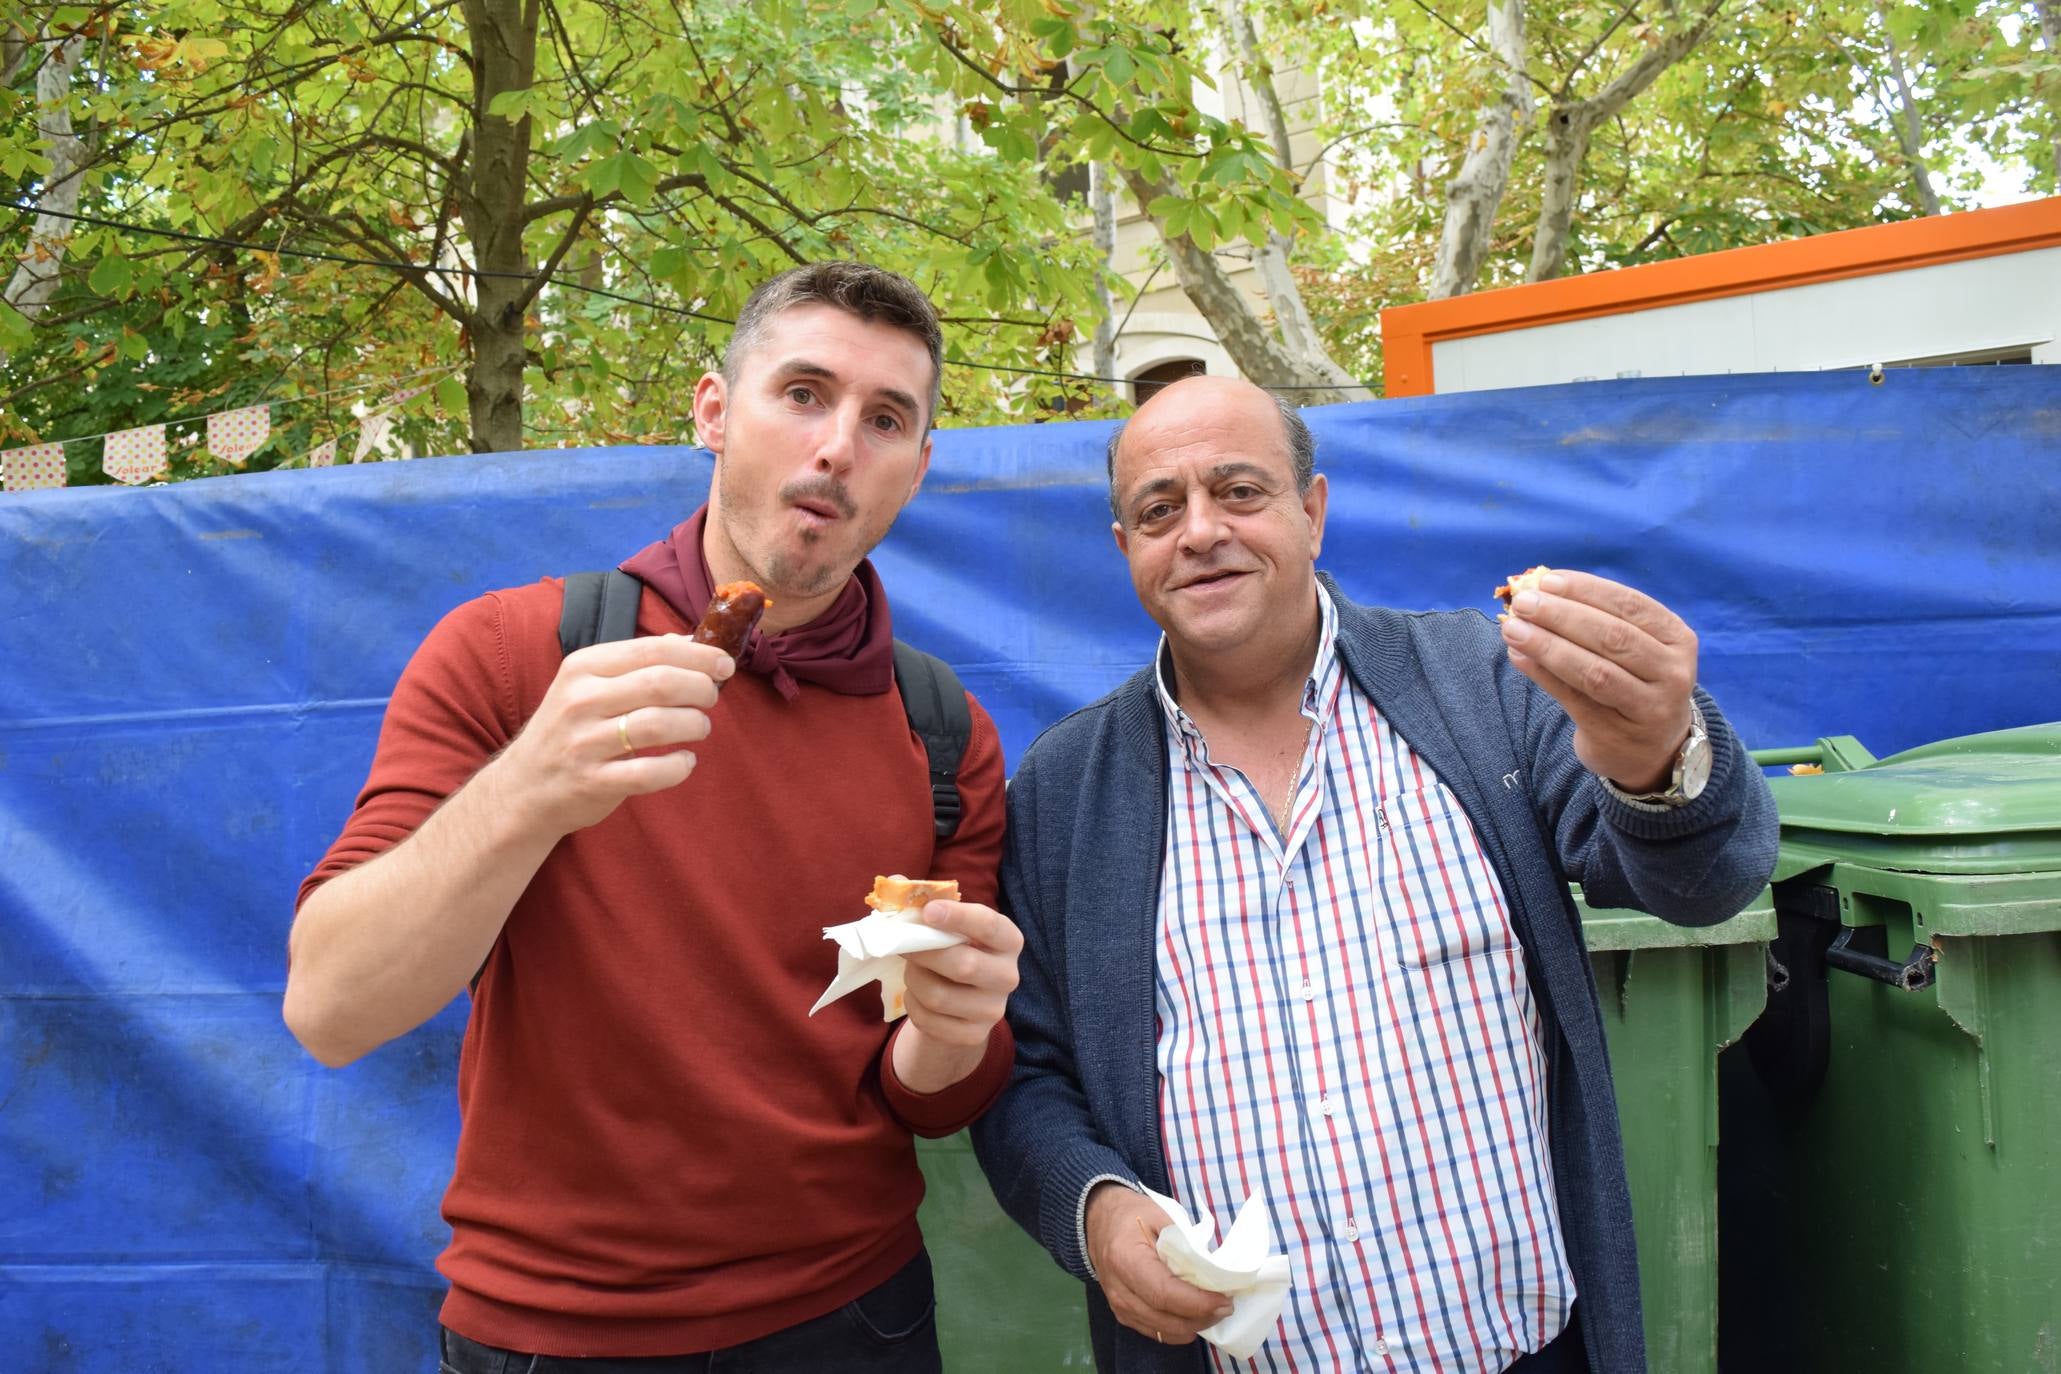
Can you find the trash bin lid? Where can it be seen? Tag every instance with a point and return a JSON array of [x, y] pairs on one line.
[[1988, 803], [1606, 928]]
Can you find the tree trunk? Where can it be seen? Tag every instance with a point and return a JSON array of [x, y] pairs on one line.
[[1572, 123], [37, 276], [1567, 143], [1291, 316], [1474, 194], [2050, 32], [1258, 355], [14, 50], [1910, 129], [491, 203], [1102, 203]]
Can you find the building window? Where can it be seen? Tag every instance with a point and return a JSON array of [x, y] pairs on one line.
[[1149, 383]]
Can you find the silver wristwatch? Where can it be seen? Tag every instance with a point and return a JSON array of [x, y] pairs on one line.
[[1686, 783]]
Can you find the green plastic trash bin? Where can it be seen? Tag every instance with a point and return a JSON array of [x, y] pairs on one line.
[[1891, 1181], [1672, 997], [1002, 1303]]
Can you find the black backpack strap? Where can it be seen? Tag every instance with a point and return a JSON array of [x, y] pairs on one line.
[[600, 608], [936, 703]]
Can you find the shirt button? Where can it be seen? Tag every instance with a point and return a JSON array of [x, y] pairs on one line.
[[1328, 1106], [1309, 994], [1352, 1232], [1381, 1347], [1291, 880]]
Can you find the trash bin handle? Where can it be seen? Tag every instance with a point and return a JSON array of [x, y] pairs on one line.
[[1914, 974], [1775, 758]]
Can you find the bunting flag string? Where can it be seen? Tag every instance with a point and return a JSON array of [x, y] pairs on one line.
[[139, 455], [373, 430], [401, 398]]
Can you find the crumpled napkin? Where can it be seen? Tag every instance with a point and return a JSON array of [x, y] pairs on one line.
[[871, 950], [1244, 1268]]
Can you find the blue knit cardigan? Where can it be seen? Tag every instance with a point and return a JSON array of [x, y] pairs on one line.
[[1080, 876]]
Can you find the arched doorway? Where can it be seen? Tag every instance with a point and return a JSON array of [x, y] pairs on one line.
[[1149, 383]]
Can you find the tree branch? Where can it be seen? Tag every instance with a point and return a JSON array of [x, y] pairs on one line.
[[557, 255], [1651, 64], [1064, 93], [1574, 69], [1471, 41]]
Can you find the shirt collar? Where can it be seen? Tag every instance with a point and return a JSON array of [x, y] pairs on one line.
[[1321, 686]]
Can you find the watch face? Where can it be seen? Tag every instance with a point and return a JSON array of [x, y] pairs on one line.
[[1695, 767]]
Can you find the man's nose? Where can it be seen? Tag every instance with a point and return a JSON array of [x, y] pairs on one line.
[[837, 441], [1202, 525]]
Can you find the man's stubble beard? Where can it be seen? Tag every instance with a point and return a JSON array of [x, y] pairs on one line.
[[786, 573], [775, 570]]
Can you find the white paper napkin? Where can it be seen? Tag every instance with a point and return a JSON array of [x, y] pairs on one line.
[[1244, 1268], [871, 950]]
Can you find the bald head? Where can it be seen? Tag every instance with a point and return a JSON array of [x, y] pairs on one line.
[[1200, 403]]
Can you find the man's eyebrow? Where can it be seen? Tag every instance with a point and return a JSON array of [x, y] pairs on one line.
[[1153, 488], [802, 367], [1239, 469]]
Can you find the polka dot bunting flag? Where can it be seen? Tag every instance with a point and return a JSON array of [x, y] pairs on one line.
[[135, 456], [28, 469], [234, 435], [371, 434]]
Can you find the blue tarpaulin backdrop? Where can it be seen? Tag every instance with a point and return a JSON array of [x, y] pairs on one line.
[[194, 679]]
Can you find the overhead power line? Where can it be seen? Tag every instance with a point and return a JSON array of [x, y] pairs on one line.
[[393, 265]]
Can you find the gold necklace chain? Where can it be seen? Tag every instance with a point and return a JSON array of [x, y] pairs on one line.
[[1294, 772]]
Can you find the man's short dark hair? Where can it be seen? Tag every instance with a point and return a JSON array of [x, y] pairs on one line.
[[1302, 450], [873, 294]]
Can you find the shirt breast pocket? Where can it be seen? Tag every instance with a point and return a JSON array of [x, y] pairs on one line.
[[1445, 903]]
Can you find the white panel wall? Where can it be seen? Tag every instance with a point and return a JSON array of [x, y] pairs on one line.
[[2012, 301]]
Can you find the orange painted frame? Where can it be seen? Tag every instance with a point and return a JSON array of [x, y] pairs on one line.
[[1409, 331]]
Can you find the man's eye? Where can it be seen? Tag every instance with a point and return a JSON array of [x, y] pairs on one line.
[[887, 424], [1244, 491], [800, 394], [1158, 510]]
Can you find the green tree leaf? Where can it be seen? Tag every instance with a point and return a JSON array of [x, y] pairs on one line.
[[112, 276]]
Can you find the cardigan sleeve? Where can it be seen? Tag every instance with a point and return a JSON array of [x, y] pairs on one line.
[[1693, 865], [1038, 1145]]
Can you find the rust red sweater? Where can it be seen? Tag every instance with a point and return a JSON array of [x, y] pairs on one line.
[[660, 1151]]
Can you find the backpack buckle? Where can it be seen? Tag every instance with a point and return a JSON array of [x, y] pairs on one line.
[[944, 804]]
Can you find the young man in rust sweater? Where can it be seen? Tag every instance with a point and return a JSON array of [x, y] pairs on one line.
[[631, 853]]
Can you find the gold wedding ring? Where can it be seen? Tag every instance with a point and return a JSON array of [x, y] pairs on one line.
[[622, 732]]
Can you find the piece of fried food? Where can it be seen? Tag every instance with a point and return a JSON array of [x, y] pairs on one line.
[[896, 893], [1526, 581]]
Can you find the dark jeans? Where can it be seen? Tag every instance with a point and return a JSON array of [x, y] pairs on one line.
[[1564, 1354], [891, 1330]]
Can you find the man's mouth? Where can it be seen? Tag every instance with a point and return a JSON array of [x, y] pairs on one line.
[[821, 501], [1210, 579]]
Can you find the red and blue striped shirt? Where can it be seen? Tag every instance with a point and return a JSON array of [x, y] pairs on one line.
[[1344, 1022]]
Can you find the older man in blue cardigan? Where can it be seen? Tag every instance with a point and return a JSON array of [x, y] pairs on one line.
[[1297, 928]]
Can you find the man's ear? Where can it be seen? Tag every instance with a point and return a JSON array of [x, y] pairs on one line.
[[1123, 541], [1314, 503], [922, 470], [711, 405]]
